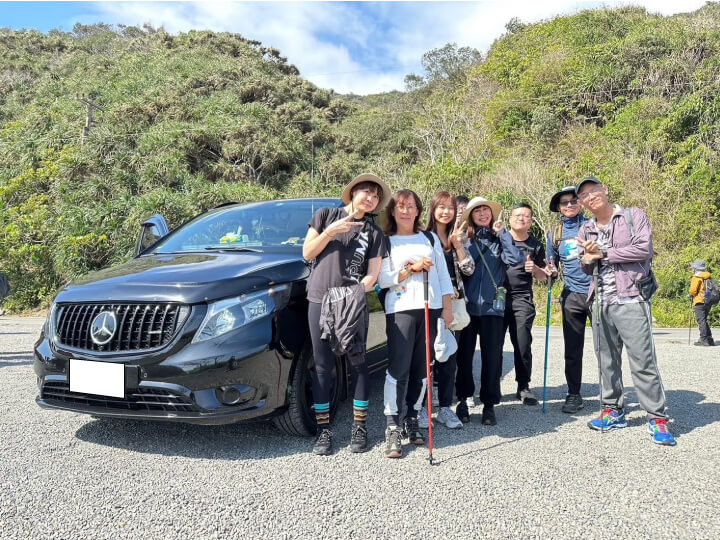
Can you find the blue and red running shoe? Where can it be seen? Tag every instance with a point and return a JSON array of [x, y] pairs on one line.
[[608, 419], [659, 431]]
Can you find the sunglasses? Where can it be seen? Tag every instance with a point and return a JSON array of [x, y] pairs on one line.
[[568, 202]]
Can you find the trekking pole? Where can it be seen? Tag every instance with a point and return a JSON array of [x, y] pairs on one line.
[[427, 366], [547, 338], [690, 321], [596, 338]]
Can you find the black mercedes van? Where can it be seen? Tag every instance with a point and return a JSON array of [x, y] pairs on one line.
[[205, 324]]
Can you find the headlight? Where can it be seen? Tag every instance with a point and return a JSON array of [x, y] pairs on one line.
[[50, 323], [232, 313]]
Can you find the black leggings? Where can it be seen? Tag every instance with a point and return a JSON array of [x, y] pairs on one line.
[[325, 363], [407, 370]]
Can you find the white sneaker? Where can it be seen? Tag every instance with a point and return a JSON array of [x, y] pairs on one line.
[[470, 401], [423, 418], [447, 416]]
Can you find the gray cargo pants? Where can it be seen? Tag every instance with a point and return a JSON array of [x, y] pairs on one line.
[[628, 325]]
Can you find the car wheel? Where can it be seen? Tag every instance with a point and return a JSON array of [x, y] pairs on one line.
[[299, 418]]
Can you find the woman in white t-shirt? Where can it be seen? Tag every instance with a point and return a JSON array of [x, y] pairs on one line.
[[411, 252]]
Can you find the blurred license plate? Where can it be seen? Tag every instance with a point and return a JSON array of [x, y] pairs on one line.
[[101, 378]]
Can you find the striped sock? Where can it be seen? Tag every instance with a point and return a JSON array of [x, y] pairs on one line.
[[360, 409], [322, 414]]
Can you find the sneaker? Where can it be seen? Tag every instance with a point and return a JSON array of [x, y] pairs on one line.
[[462, 411], [358, 439], [608, 419], [411, 431], [573, 403], [659, 431], [323, 443], [488, 416], [423, 418], [393, 442], [470, 401], [702, 344], [527, 397], [447, 417]]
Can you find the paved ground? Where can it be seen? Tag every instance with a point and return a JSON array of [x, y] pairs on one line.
[[65, 475]]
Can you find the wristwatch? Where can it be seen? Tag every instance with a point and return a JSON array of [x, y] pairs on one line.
[[407, 269]]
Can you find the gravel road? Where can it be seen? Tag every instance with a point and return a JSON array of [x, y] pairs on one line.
[[66, 475]]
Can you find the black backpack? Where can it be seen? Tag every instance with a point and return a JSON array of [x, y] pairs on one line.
[[712, 293], [4, 287], [383, 292]]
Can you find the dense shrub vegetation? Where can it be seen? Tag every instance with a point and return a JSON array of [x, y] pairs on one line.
[[185, 122]]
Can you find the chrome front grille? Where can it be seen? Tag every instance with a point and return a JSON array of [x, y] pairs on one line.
[[139, 326]]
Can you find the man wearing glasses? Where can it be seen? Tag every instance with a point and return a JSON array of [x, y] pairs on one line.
[[615, 246], [562, 246]]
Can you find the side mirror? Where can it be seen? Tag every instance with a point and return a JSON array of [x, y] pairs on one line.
[[151, 230]]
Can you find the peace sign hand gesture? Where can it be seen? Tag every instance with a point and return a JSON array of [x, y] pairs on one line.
[[343, 225]]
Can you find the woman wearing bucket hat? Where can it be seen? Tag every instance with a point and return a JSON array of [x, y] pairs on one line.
[[347, 248], [493, 250]]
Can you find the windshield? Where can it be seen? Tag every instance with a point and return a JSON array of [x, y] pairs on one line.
[[266, 226]]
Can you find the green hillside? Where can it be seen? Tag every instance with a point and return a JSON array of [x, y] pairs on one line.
[[189, 121]]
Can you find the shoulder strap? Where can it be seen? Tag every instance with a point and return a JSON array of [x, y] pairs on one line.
[[557, 235], [627, 214], [477, 246], [430, 237]]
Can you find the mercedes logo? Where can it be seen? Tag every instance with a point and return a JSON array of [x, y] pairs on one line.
[[103, 327]]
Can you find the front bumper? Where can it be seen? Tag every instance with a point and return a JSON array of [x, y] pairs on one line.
[[183, 382]]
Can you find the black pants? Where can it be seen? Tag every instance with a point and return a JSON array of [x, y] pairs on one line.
[[519, 317], [444, 374], [575, 312], [490, 330], [407, 369], [701, 314], [325, 363]]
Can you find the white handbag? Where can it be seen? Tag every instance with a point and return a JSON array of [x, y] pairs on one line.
[[461, 318]]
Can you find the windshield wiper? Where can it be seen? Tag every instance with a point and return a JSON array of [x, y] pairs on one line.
[[232, 248]]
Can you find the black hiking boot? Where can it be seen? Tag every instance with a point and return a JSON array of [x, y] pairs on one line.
[[323, 443], [573, 403], [393, 442], [462, 412], [411, 431], [358, 439], [488, 416]]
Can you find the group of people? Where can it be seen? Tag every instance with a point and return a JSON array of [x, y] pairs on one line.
[[465, 261]]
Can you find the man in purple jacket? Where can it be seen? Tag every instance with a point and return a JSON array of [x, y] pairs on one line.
[[615, 246]]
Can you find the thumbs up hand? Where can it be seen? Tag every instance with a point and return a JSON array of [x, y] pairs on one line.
[[529, 264]]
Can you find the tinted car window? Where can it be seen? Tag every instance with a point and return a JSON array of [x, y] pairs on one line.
[[268, 226]]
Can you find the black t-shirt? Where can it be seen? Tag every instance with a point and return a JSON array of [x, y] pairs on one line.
[[344, 260], [517, 280]]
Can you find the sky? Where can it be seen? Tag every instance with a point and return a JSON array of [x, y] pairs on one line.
[[352, 47]]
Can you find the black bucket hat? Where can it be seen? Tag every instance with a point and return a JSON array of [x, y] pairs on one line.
[[555, 200]]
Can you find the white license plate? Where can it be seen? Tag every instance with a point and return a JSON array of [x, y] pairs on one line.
[[100, 378]]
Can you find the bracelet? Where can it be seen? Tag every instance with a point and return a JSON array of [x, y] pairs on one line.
[[407, 269]]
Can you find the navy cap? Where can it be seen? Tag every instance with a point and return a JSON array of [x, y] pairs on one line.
[[555, 200], [587, 180]]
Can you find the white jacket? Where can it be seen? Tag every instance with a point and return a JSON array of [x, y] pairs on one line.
[[409, 294]]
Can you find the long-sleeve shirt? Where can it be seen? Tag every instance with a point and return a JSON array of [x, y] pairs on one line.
[[566, 254], [697, 287], [409, 293]]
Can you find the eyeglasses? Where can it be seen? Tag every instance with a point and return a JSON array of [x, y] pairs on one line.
[[593, 191], [568, 202], [408, 208]]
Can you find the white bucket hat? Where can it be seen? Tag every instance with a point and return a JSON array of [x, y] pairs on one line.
[[495, 208], [368, 177]]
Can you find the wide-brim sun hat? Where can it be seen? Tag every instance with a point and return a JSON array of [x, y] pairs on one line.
[[495, 208], [555, 199], [699, 265], [368, 177]]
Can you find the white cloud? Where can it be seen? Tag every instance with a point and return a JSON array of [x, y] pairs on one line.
[[357, 47]]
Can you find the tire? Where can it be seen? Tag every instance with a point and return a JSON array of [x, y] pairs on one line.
[[299, 418]]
